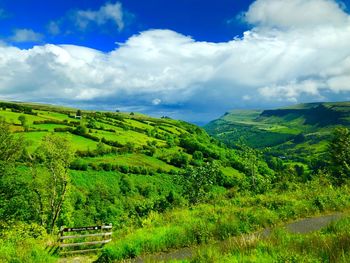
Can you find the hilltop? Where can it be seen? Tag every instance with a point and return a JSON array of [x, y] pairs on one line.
[[298, 132]]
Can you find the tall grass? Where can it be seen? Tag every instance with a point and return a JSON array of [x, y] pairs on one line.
[[331, 244], [222, 219], [25, 243]]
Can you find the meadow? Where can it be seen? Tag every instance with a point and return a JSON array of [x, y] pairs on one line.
[[164, 184]]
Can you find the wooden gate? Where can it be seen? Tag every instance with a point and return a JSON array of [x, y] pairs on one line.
[[84, 239]]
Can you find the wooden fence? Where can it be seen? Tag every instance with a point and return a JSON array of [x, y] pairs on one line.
[[84, 239]]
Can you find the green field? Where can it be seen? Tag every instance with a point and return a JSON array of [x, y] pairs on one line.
[[165, 184]]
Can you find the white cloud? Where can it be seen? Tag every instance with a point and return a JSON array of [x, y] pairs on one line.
[[340, 83], [295, 13], [293, 90], [168, 68], [156, 101], [53, 28], [107, 13], [26, 35]]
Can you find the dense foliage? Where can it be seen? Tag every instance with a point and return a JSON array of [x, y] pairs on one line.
[[163, 183]]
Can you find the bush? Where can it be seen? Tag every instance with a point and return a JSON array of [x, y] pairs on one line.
[[179, 160], [79, 164]]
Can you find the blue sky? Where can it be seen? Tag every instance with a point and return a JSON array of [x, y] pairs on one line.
[[187, 59], [203, 20]]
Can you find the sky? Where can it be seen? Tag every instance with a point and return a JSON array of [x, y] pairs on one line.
[[186, 59]]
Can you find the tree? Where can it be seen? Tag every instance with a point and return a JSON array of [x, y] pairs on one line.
[[10, 147], [23, 120], [179, 160], [80, 130], [339, 154], [15, 198], [51, 178], [198, 181], [250, 157], [78, 113]]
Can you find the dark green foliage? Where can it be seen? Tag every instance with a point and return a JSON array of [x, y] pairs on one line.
[[149, 150], [198, 155], [299, 169], [179, 160], [64, 129], [78, 164], [17, 108], [91, 124], [80, 130], [15, 198], [10, 147], [298, 133], [154, 200], [23, 120], [51, 178], [65, 122], [339, 154], [299, 138], [320, 115], [197, 181]]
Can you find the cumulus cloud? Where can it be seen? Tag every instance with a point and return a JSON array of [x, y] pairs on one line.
[[107, 13], [165, 70], [295, 13], [293, 90], [26, 35]]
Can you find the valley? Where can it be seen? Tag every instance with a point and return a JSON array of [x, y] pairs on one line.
[[164, 184]]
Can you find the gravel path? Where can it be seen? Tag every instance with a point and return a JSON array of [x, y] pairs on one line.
[[302, 226]]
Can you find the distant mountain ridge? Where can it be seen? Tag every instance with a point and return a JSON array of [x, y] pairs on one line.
[[321, 114], [303, 128]]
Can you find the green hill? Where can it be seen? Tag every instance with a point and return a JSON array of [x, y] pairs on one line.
[[164, 184], [117, 148], [297, 132]]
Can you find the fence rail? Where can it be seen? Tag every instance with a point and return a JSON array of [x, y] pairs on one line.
[[82, 242]]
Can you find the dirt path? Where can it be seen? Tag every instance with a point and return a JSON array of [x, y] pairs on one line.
[[302, 226]]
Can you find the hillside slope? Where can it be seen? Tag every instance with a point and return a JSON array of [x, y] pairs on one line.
[[128, 157], [294, 131], [162, 183]]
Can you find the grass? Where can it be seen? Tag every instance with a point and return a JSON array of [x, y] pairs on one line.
[[77, 142], [12, 117], [124, 137], [25, 243], [133, 160], [148, 209], [49, 127], [52, 115], [223, 219], [330, 244]]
